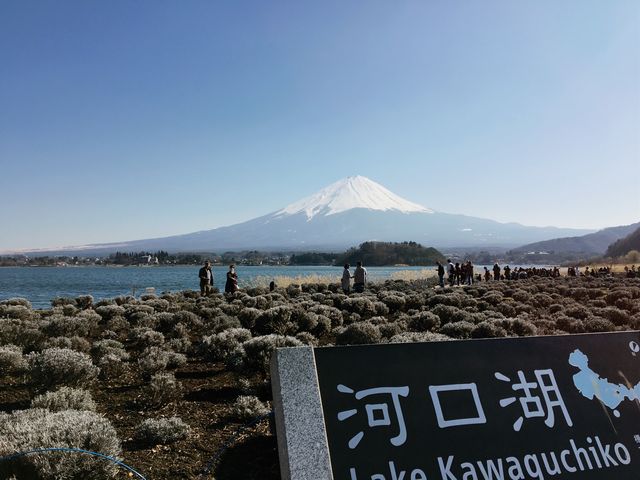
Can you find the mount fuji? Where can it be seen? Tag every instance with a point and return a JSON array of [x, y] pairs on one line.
[[344, 214]]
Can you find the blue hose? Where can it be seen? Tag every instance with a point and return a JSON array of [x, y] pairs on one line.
[[74, 450]]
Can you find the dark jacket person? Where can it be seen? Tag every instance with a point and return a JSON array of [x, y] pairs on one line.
[[206, 279], [232, 280]]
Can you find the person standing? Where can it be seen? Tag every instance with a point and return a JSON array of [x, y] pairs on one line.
[[458, 271], [469, 272], [440, 275], [232, 280], [507, 272], [346, 279], [359, 278], [206, 279], [496, 271], [452, 272]]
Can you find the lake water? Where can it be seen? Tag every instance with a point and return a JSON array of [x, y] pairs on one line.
[[41, 284]]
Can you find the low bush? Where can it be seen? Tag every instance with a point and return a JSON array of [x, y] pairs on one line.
[[255, 354], [11, 360], [568, 324], [161, 390], [24, 333], [388, 330], [61, 326], [615, 315], [25, 430], [248, 317], [459, 329], [79, 344], [414, 337], [153, 360], [60, 366], [423, 322], [20, 312], [248, 407], [108, 312], [16, 301], [142, 338], [161, 431], [307, 339], [360, 305], [358, 334], [220, 345], [65, 398], [596, 324], [101, 348], [275, 320], [488, 329]]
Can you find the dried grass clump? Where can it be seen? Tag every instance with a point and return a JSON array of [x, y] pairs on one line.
[[413, 275], [283, 281], [39, 428]]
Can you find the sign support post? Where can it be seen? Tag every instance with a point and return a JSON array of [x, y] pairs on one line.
[[302, 439]]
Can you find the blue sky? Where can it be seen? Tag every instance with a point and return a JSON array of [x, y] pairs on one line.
[[123, 120]]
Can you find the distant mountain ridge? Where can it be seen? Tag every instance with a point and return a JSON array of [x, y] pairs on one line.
[[346, 213], [590, 244], [624, 245]]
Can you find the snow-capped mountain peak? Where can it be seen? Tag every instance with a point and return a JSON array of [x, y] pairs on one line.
[[349, 193]]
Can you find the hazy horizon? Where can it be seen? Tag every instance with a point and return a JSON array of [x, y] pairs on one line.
[[126, 121]]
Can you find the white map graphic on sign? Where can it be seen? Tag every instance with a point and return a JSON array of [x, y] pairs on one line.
[[591, 385]]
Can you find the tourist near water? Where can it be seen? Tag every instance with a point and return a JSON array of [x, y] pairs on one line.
[[41, 285]]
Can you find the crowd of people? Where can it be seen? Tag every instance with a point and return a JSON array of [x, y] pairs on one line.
[[459, 273], [463, 273]]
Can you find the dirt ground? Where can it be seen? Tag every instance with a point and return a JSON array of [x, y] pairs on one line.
[[208, 394]]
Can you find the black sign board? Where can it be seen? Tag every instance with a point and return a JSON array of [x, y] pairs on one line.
[[561, 407]]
